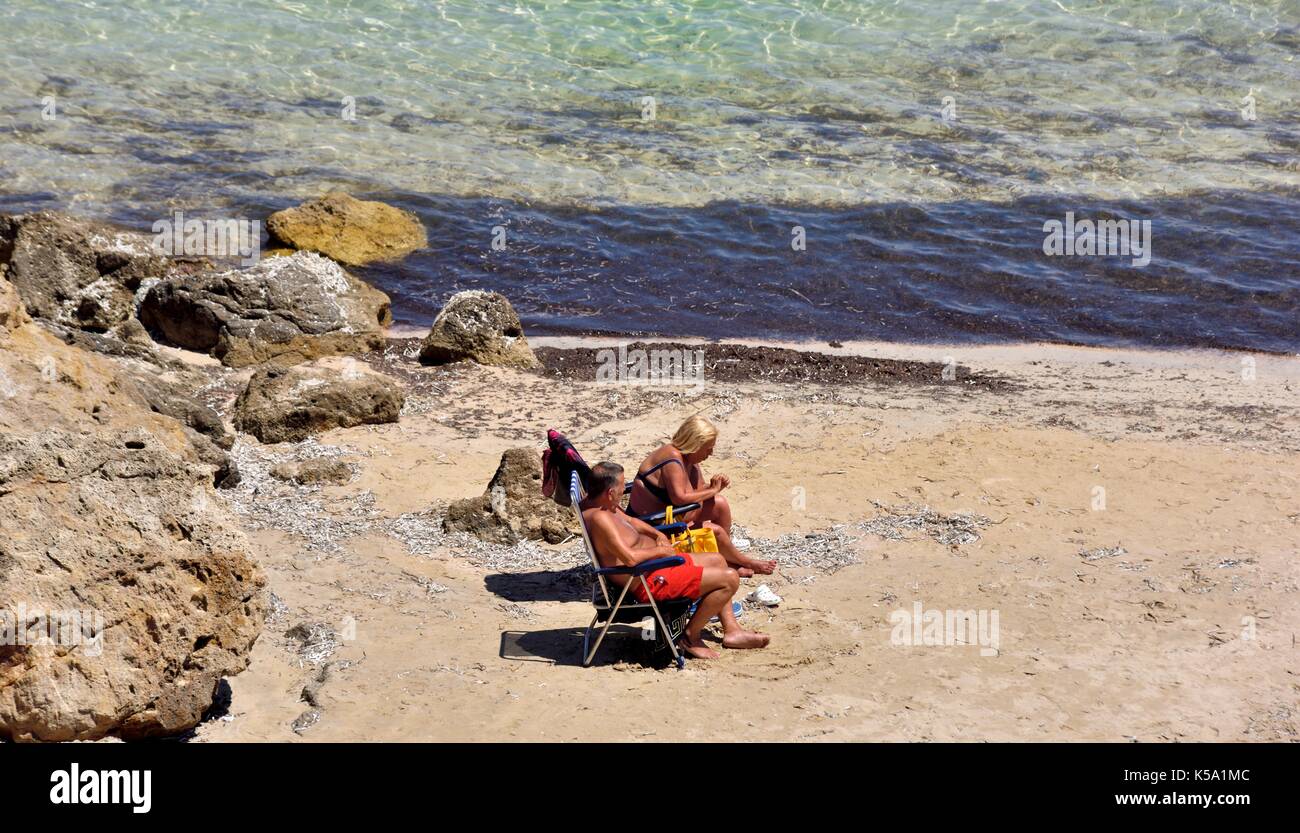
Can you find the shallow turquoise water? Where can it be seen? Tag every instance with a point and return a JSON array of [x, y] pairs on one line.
[[473, 112]]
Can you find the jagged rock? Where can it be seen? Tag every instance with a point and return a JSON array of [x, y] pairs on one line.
[[225, 471], [481, 327], [286, 309], [203, 426], [353, 232], [76, 272], [513, 507], [12, 312], [290, 404], [121, 342], [108, 522], [174, 399], [311, 472]]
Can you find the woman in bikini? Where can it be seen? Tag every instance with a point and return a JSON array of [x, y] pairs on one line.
[[672, 475]]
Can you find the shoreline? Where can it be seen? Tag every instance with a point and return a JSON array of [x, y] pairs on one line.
[[907, 350]]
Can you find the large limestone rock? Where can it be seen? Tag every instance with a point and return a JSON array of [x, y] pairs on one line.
[[353, 232], [290, 404], [110, 529], [513, 507], [163, 385], [285, 309], [481, 327], [76, 272]]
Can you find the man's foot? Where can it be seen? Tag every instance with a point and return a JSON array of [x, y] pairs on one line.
[[697, 650], [746, 639], [744, 572], [767, 568]]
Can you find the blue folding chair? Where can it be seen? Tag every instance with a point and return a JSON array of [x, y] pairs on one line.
[[670, 615]]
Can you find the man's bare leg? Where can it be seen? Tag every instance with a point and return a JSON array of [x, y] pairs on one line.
[[718, 585], [734, 636], [709, 559], [715, 559]]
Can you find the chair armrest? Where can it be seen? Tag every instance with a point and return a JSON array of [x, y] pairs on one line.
[[672, 529], [644, 567], [658, 517]]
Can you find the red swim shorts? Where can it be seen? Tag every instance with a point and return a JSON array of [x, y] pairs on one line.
[[681, 582]]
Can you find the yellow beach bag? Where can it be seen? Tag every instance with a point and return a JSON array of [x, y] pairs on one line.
[[692, 540]]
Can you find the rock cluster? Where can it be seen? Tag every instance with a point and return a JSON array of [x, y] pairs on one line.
[[126, 590]]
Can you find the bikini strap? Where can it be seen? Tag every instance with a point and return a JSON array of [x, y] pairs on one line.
[[658, 492], [644, 475]]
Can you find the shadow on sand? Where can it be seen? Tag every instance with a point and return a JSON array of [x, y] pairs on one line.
[[571, 585], [563, 646]]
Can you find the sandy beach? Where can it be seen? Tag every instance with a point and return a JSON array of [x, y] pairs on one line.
[[1129, 516]]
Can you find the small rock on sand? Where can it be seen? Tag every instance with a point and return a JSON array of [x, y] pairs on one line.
[[480, 327], [291, 404], [313, 472], [513, 507]]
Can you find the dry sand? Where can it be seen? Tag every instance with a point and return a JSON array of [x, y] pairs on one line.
[[1188, 633]]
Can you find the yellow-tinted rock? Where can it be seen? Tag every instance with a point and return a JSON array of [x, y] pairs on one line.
[[353, 232]]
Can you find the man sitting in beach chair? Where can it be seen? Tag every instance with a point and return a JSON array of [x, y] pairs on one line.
[[623, 541]]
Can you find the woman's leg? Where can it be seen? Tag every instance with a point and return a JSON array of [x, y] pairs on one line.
[[708, 516], [718, 510]]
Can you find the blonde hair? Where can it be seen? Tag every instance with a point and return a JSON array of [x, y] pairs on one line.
[[693, 434]]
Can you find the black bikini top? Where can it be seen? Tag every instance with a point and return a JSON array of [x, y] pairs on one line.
[[659, 492]]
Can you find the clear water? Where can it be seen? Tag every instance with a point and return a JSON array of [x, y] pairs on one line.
[[829, 115]]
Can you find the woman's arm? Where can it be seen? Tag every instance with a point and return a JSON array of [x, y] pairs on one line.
[[677, 483]]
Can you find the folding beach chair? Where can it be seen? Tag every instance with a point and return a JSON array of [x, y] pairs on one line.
[[670, 615]]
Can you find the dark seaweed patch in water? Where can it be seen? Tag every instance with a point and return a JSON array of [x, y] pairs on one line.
[[1224, 271], [827, 112]]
